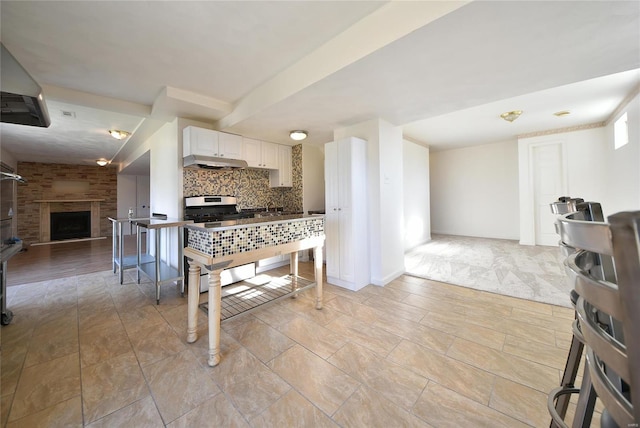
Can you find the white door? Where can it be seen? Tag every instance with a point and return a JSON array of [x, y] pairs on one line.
[[332, 217], [548, 185], [347, 244]]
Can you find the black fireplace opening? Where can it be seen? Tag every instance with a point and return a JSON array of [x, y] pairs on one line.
[[70, 225]]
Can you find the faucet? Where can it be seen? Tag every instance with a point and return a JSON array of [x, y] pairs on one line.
[[267, 208]]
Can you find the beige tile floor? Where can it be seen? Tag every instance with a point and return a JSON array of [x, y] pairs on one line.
[[87, 351]]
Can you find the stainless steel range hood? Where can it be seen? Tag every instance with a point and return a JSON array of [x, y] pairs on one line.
[[209, 162], [21, 99]]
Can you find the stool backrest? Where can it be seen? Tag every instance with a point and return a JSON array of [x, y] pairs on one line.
[[608, 306]]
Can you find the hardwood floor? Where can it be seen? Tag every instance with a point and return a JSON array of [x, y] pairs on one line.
[[62, 260]]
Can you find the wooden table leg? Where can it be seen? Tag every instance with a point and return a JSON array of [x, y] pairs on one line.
[[215, 299], [192, 302], [293, 270], [317, 260]]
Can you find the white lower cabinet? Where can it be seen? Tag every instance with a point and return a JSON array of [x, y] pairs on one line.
[[346, 219]]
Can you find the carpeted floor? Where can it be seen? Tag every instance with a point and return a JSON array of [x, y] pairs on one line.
[[495, 265]]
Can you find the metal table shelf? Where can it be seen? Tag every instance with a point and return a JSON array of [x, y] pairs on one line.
[[120, 261], [237, 299]]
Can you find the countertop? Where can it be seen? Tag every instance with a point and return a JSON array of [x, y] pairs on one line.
[[10, 251], [127, 219], [260, 219], [159, 223]]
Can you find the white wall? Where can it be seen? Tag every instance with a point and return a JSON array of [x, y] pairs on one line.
[[126, 198], [391, 206], [622, 166], [166, 184], [129, 187], [312, 178], [474, 191], [417, 215], [8, 159], [594, 170], [384, 193]]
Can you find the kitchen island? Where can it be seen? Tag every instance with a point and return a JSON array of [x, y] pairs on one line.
[[221, 245]]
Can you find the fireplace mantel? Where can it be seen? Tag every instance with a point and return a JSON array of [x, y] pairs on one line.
[[68, 200], [45, 215]]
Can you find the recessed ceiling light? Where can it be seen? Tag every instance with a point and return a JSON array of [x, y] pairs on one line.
[[562, 113], [298, 135], [510, 116], [102, 162], [118, 134]]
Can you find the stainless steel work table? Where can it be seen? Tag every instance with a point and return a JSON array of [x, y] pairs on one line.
[[154, 267], [119, 260], [6, 253]]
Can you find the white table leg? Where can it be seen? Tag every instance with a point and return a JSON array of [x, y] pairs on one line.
[[293, 270], [192, 302], [215, 299]]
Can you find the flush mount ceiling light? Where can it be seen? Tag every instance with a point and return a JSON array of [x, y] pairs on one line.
[[298, 135], [510, 116], [118, 134], [562, 113], [102, 162]]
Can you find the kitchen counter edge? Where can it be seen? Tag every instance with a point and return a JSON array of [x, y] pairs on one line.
[[248, 222]]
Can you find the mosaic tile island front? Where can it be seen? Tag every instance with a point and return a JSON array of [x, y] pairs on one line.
[[252, 234]]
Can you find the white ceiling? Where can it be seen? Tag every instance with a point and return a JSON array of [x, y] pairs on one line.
[[442, 70]]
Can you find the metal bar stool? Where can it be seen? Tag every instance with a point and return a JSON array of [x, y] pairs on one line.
[[577, 209], [608, 312]]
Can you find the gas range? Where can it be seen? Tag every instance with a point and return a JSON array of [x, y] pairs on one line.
[[222, 210], [212, 208]]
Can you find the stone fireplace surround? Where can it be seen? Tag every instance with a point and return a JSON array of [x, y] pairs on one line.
[[43, 184], [47, 206]]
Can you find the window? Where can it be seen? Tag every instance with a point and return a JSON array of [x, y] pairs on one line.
[[620, 132]]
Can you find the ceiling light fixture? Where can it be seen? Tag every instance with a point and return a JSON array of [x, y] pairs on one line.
[[102, 162], [562, 113], [298, 135], [510, 116], [118, 134]]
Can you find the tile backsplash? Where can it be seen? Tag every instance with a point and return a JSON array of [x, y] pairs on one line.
[[250, 186]]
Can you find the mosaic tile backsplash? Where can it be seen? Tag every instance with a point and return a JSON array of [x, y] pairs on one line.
[[232, 241], [250, 186]]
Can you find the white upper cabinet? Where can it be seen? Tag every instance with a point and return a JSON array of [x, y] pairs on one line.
[[229, 145], [199, 141], [207, 142], [270, 155], [282, 176], [260, 154]]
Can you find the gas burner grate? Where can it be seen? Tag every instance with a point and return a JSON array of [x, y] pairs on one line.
[[246, 296]]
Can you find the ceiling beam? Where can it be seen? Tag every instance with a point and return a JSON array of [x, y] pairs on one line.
[[86, 99], [385, 25]]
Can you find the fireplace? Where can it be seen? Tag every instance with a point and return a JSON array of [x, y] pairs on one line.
[[70, 225], [68, 206]]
